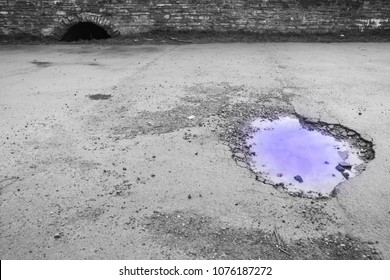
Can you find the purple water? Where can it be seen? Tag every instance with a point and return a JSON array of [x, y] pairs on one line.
[[303, 160]]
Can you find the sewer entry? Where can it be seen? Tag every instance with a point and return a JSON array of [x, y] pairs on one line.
[[303, 158], [85, 31]]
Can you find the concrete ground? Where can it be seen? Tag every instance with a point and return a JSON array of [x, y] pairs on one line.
[[145, 174]]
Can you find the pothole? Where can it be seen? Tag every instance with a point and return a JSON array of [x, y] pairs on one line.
[[100, 96], [305, 157]]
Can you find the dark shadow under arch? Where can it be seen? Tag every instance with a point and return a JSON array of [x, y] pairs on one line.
[[85, 31], [86, 25]]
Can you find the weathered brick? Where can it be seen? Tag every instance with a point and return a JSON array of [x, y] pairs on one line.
[[126, 16]]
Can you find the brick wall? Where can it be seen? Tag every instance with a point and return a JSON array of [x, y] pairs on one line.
[[129, 16]]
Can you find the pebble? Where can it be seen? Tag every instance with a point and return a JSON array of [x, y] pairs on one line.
[[298, 178], [345, 165], [189, 196], [239, 155], [57, 235], [269, 182], [345, 175], [343, 155], [339, 168]]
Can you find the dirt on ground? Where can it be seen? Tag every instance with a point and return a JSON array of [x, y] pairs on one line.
[[130, 152]]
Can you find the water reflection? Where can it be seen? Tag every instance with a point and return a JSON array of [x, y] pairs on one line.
[[303, 160]]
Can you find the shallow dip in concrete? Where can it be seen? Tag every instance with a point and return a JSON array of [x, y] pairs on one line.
[[301, 158], [100, 96]]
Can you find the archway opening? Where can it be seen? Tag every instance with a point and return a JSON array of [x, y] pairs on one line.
[[85, 31]]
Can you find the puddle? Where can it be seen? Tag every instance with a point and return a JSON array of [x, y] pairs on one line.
[[100, 96], [305, 158]]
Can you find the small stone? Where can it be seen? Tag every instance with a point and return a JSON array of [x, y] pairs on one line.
[[239, 155], [345, 174], [360, 167], [57, 235], [343, 155], [345, 165], [326, 162], [339, 168], [269, 182], [189, 196], [279, 175], [298, 178], [124, 168], [153, 175]]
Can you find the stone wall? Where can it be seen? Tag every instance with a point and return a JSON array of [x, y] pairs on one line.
[[129, 16]]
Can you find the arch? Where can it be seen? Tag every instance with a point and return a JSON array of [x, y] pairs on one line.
[[64, 24], [85, 31]]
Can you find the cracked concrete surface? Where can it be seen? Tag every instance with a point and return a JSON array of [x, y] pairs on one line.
[[144, 174]]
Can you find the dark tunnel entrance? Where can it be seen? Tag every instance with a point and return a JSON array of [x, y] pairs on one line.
[[85, 31]]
